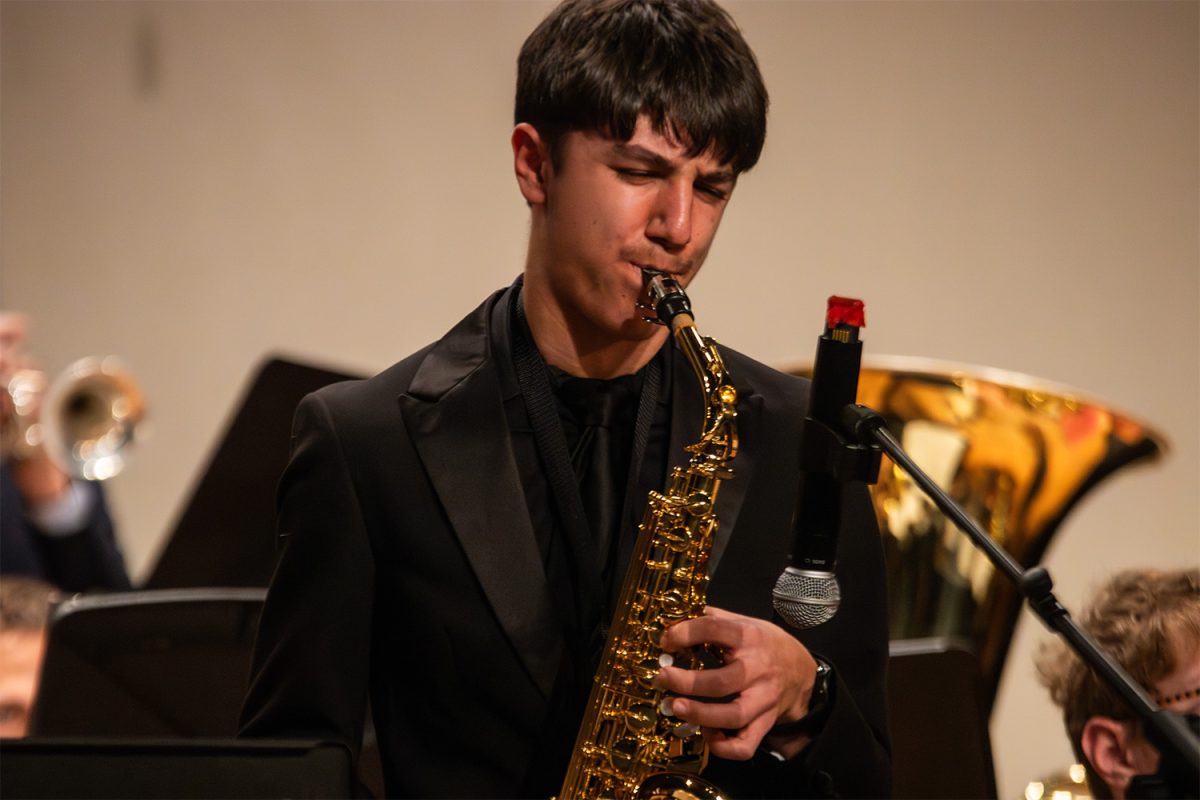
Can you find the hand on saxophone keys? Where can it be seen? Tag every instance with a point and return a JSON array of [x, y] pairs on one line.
[[767, 680]]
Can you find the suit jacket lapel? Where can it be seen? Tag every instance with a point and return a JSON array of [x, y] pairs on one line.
[[455, 416], [687, 413]]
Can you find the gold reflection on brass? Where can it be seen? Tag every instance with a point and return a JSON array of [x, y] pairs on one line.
[[1016, 453], [1069, 785]]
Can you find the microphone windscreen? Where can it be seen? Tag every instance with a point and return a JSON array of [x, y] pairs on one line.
[[806, 598]]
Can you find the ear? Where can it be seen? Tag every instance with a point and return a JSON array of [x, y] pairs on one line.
[[1108, 746], [531, 163]]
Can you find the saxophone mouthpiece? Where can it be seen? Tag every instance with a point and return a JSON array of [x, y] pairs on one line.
[[667, 300]]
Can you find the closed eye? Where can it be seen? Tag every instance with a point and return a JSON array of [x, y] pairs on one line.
[[715, 192]]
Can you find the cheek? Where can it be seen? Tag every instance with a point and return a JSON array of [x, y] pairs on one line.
[[16, 701], [710, 219], [588, 232], [14, 721]]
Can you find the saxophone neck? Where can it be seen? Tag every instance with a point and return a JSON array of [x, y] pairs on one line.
[[672, 308]]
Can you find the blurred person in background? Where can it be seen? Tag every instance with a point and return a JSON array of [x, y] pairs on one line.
[[52, 527], [1148, 621], [24, 609]]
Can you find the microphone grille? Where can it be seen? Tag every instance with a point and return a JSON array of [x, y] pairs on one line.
[[806, 598]]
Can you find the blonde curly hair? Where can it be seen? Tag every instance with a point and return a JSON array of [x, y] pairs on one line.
[[1147, 620], [25, 602]]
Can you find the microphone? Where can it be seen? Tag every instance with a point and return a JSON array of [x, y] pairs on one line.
[[807, 593]]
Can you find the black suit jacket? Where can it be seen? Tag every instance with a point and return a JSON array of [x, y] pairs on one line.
[[410, 569], [85, 560]]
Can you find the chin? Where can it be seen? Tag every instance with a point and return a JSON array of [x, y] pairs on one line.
[[637, 329]]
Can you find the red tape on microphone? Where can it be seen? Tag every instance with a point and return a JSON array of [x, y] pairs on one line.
[[845, 311]]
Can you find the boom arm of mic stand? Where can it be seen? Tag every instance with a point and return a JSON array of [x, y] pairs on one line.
[[1165, 730]]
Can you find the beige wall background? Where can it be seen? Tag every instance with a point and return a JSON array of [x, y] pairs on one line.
[[195, 185]]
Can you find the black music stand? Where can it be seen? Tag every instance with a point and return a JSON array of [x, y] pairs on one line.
[[46, 769], [939, 721], [139, 698], [169, 663], [225, 535]]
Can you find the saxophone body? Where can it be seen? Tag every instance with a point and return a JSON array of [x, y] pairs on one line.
[[629, 746]]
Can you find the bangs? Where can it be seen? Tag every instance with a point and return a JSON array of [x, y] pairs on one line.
[[681, 64]]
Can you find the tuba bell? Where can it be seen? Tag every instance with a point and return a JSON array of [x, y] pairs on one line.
[[1017, 453], [86, 419]]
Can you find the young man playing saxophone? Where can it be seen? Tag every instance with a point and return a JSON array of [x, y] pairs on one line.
[[436, 559]]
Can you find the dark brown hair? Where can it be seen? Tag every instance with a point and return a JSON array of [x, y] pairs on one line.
[[597, 65]]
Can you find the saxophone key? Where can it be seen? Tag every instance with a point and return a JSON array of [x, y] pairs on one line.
[[699, 504], [658, 559], [672, 607], [646, 671], [704, 656], [685, 572], [685, 730], [641, 718], [623, 754], [676, 538]]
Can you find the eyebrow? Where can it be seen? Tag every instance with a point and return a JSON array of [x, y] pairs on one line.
[[659, 161]]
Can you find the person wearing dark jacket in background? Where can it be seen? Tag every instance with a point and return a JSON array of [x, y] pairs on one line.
[[52, 527]]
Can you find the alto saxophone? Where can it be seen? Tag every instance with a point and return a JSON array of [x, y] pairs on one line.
[[629, 745]]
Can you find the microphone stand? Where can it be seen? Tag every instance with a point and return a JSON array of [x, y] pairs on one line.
[[1178, 747]]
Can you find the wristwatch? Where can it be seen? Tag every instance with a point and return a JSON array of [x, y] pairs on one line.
[[819, 703]]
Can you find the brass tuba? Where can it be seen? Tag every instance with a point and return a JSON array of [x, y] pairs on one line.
[[85, 419], [629, 745], [1017, 453]]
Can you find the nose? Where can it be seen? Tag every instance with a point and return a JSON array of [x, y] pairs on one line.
[[671, 222]]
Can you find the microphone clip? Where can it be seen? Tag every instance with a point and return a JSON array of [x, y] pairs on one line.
[[824, 450]]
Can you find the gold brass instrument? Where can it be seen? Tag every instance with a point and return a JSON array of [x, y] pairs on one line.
[[1017, 454], [86, 419], [629, 746], [1070, 784]]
